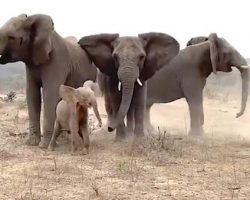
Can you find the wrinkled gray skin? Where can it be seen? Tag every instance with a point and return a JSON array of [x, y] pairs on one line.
[[185, 77], [125, 60], [50, 61]]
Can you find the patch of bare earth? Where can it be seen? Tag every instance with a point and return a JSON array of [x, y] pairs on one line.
[[159, 166]]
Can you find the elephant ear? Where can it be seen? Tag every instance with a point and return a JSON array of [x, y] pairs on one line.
[[160, 48], [196, 40], [40, 28], [68, 94], [99, 49], [214, 51]]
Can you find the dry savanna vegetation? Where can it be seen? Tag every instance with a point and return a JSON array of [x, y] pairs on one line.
[[166, 164]]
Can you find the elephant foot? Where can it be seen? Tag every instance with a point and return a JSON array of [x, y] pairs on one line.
[[85, 151], [196, 132], [119, 138], [129, 131], [139, 134], [138, 137], [44, 143], [150, 129], [32, 140], [51, 147]]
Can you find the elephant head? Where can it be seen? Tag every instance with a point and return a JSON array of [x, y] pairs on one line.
[[129, 61], [80, 97], [196, 40], [223, 57], [26, 38]]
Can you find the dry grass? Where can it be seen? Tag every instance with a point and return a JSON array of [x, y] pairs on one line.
[[158, 166]]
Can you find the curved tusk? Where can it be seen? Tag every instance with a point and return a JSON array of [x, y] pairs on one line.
[[139, 82], [119, 86], [244, 66]]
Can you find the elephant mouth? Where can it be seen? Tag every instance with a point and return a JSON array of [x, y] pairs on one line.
[[229, 69], [6, 57], [2, 59], [225, 68]]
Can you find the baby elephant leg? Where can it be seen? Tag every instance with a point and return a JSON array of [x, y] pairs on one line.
[[75, 137], [85, 135], [55, 135]]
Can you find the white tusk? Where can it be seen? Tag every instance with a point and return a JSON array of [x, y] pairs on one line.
[[0, 56], [244, 67], [139, 82], [119, 86]]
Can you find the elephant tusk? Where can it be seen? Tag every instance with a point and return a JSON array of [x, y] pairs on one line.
[[243, 67], [139, 82], [119, 86]]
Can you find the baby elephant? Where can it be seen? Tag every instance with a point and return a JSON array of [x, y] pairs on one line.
[[72, 115]]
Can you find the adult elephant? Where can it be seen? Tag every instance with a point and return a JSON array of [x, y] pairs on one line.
[[50, 61], [126, 64], [185, 76]]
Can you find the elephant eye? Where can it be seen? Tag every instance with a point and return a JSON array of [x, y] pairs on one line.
[[141, 57], [11, 37]]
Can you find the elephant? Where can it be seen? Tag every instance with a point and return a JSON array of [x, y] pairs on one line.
[[126, 63], [50, 60], [72, 115], [185, 77]]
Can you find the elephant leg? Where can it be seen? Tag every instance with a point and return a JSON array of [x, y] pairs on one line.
[[55, 135], [139, 102], [85, 136], [108, 107], [193, 92], [50, 99], [147, 120], [51, 80], [120, 132], [196, 116], [34, 109], [131, 120], [115, 99]]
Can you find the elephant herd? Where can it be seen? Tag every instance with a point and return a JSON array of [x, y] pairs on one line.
[[133, 73]]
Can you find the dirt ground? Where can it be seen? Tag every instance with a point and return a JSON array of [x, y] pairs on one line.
[[164, 165]]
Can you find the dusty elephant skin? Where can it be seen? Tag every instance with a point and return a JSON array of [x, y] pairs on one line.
[[50, 61], [72, 115], [185, 76], [126, 64]]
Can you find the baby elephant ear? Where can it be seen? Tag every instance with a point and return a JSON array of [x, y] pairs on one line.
[[160, 48], [67, 93]]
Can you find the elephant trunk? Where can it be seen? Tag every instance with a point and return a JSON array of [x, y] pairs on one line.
[[245, 88], [240, 63], [127, 76]]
